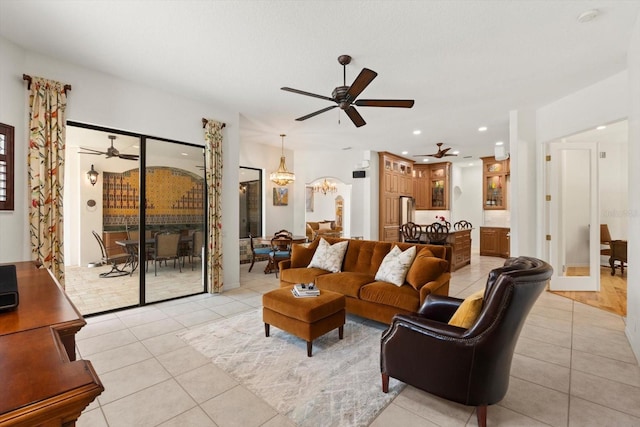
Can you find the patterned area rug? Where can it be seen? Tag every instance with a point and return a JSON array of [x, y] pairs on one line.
[[339, 386]]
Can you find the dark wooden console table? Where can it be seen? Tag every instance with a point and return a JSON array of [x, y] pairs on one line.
[[42, 382]]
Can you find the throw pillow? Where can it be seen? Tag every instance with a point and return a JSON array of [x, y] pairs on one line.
[[329, 257], [425, 268], [302, 253], [324, 226], [468, 311], [395, 265]]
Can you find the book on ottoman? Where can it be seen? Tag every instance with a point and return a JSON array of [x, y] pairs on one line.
[[304, 291]]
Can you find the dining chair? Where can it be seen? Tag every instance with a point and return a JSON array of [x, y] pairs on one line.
[[462, 225], [411, 232], [605, 240], [283, 233], [258, 254], [111, 259], [197, 243], [280, 251], [437, 233], [167, 247]]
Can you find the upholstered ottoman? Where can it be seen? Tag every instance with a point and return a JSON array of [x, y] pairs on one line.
[[306, 318]]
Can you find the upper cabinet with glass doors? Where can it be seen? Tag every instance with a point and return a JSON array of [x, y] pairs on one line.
[[494, 174]]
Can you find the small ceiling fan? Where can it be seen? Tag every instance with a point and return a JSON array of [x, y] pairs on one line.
[[345, 96], [440, 154], [111, 151]]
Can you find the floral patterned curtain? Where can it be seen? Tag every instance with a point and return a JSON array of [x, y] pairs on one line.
[[213, 167], [47, 102]]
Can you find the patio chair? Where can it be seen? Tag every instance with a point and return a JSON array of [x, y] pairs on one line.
[[167, 247], [111, 259]]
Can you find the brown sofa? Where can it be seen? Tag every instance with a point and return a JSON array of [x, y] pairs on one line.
[[329, 229], [366, 297]]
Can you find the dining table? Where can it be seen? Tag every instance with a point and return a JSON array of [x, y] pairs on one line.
[[131, 248], [266, 240]]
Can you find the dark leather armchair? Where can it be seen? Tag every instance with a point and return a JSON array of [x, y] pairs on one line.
[[468, 366]]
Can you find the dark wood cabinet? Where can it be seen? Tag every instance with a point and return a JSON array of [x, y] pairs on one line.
[[494, 188], [494, 241], [42, 382]]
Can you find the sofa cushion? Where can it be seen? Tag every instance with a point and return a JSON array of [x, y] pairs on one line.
[[468, 311], [346, 283], [302, 253], [301, 275], [404, 297], [328, 256], [395, 265], [425, 268], [365, 256]]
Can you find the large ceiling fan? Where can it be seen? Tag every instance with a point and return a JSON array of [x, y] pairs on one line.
[[111, 151], [440, 154], [345, 96]]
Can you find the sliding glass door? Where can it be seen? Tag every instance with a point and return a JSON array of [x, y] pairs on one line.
[[174, 217]]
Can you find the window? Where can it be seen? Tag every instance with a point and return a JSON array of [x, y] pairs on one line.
[[250, 202], [6, 167]]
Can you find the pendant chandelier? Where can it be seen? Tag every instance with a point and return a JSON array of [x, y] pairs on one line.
[[282, 176], [325, 187]]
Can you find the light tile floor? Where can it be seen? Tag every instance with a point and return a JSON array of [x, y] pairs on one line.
[[573, 367]]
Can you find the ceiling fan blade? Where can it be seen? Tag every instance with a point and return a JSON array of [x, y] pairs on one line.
[[301, 92], [396, 103], [308, 116], [95, 154], [365, 77], [128, 156], [425, 155], [355, 117], [92, 151]]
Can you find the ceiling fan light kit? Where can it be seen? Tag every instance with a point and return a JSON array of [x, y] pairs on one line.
[[345, 96]]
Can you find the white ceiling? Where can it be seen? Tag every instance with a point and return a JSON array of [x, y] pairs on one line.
[[465, 63]]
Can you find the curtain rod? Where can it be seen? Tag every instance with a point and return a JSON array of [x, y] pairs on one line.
[[28, 78], [204, 123]]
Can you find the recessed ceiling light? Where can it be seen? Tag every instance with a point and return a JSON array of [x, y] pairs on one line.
[[405, 153], [601, 127], [588, 15], [499, 143], [470, 164], [417, 132], [425, 160], [456, 152], [184, 154], [482, 128]]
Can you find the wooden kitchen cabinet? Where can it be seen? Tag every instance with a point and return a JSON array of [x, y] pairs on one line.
[[494, 241], [431, 186], [396, 179], [494, 188]]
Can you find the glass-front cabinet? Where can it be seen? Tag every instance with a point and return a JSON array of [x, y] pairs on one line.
[[439, 186], [495, 174]]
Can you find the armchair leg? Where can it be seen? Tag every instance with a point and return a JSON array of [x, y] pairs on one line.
[[481, 413], [385, 383]]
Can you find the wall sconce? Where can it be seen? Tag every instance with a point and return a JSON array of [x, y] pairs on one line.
[[93, 176]]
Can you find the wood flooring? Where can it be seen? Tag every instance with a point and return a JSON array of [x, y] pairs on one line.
[[613, 291]]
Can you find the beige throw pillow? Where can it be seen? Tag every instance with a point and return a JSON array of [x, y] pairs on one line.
[[395, 265], [468, 311], [329, 257]]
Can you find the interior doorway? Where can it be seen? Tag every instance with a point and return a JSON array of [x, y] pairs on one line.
[[328, 200], [612, 185]]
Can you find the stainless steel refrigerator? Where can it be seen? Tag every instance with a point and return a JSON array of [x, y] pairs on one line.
[[407, 209]]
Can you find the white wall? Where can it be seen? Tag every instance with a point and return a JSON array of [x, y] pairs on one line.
[[633, 291], [614, 188], [103, 100], [467, 203], [607, 101]]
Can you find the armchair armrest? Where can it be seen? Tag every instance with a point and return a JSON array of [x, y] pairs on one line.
[[439, 307], [425, 326]]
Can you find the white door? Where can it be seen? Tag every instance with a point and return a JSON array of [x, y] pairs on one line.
[[574, 217]]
